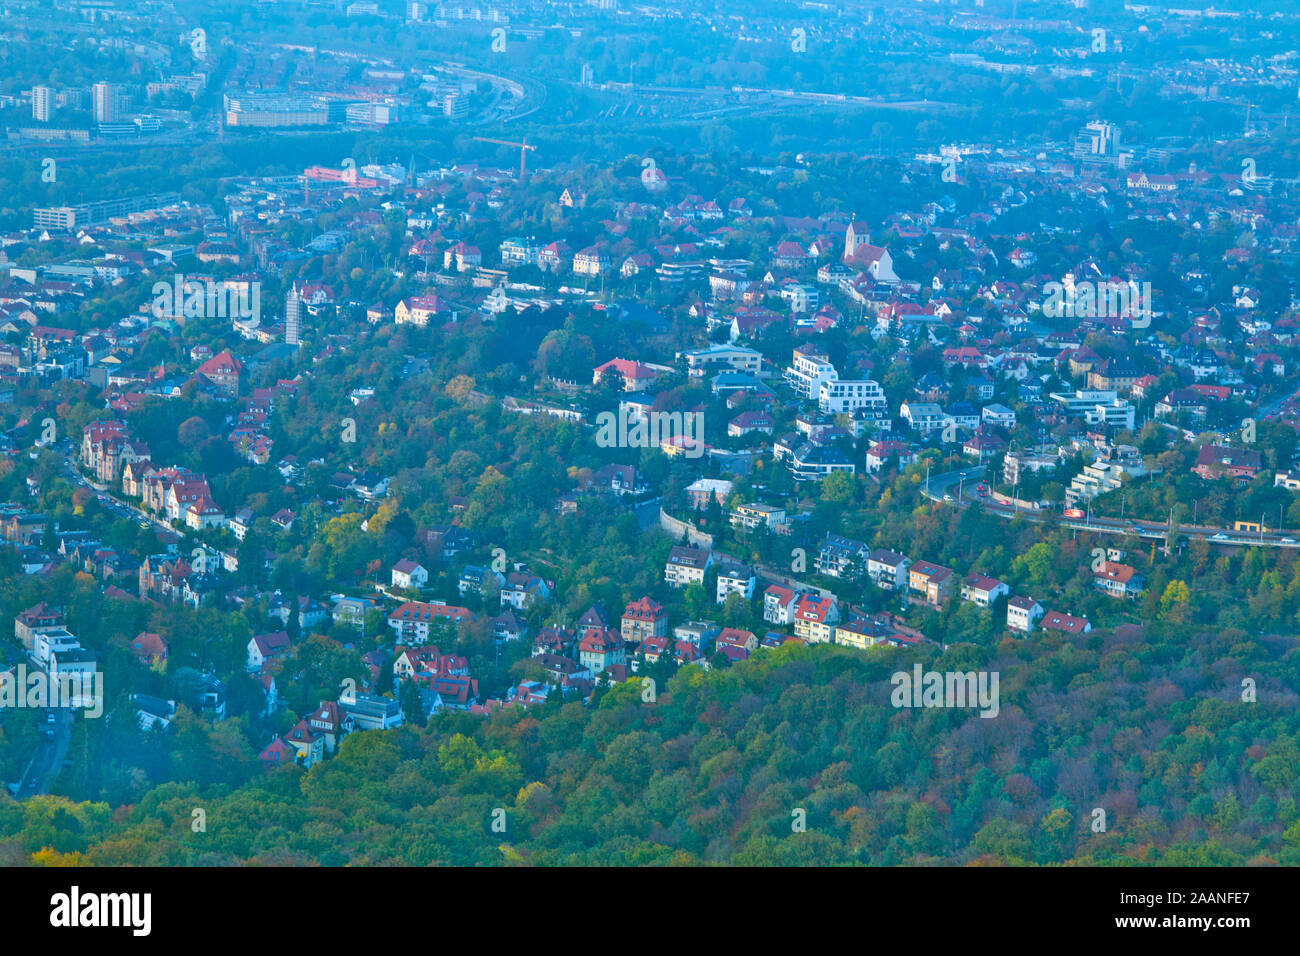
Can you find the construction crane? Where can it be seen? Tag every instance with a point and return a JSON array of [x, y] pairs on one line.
[[523, 148]]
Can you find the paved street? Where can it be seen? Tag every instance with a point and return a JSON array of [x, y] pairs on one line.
[[952, 488]]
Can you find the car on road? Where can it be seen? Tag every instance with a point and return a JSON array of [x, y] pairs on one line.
[[1136, 529], [947, 497], [1288, 540], [49, 717], [1074, 512], [1220, 537], [49, 734]]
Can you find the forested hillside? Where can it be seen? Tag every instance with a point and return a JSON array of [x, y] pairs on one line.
[[1152, 730]]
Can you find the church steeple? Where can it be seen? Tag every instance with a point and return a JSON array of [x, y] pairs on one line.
[[851, 239]]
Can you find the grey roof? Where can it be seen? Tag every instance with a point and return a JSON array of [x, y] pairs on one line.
[[369, 705]]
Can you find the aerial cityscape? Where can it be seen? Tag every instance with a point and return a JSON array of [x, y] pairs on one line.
[[528, 433]]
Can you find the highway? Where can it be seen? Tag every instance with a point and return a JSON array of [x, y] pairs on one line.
[[952, 488]]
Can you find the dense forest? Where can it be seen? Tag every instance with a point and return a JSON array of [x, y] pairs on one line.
[[1149, 728]]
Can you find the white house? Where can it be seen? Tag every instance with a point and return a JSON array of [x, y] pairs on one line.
[[778, 604], [263, 646], [408, 574], [735, 579], [888, 569], [1022, 612], [982, 591], [686, 566], [999, 416], [924, 417]]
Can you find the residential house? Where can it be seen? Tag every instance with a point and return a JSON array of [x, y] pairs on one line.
[[328, 721], [754, 515], [982, 591], [779, 604], [841, 557], [703, 490], [643, 619], [601, 648], [633, 376], [1057, 621], [736, 644], [735, 579], [413, 620], [1220, 461], [369, 712], [408, 574], [932, 583], [149, 648], [1119, 580], [882, 451], [686, 566], [1022, 613], [522, 589], [263, 647], [815, 617], [697, 634], [887, 569]]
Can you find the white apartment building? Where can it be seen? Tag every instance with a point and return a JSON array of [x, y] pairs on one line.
[[735, 579], [837, 396], [802, 298], [1105, 474], [517, 251], [723, 358], [999, 416], [753, 515], [1097, 406], [888, 569], [807, 370], [924, 417]]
